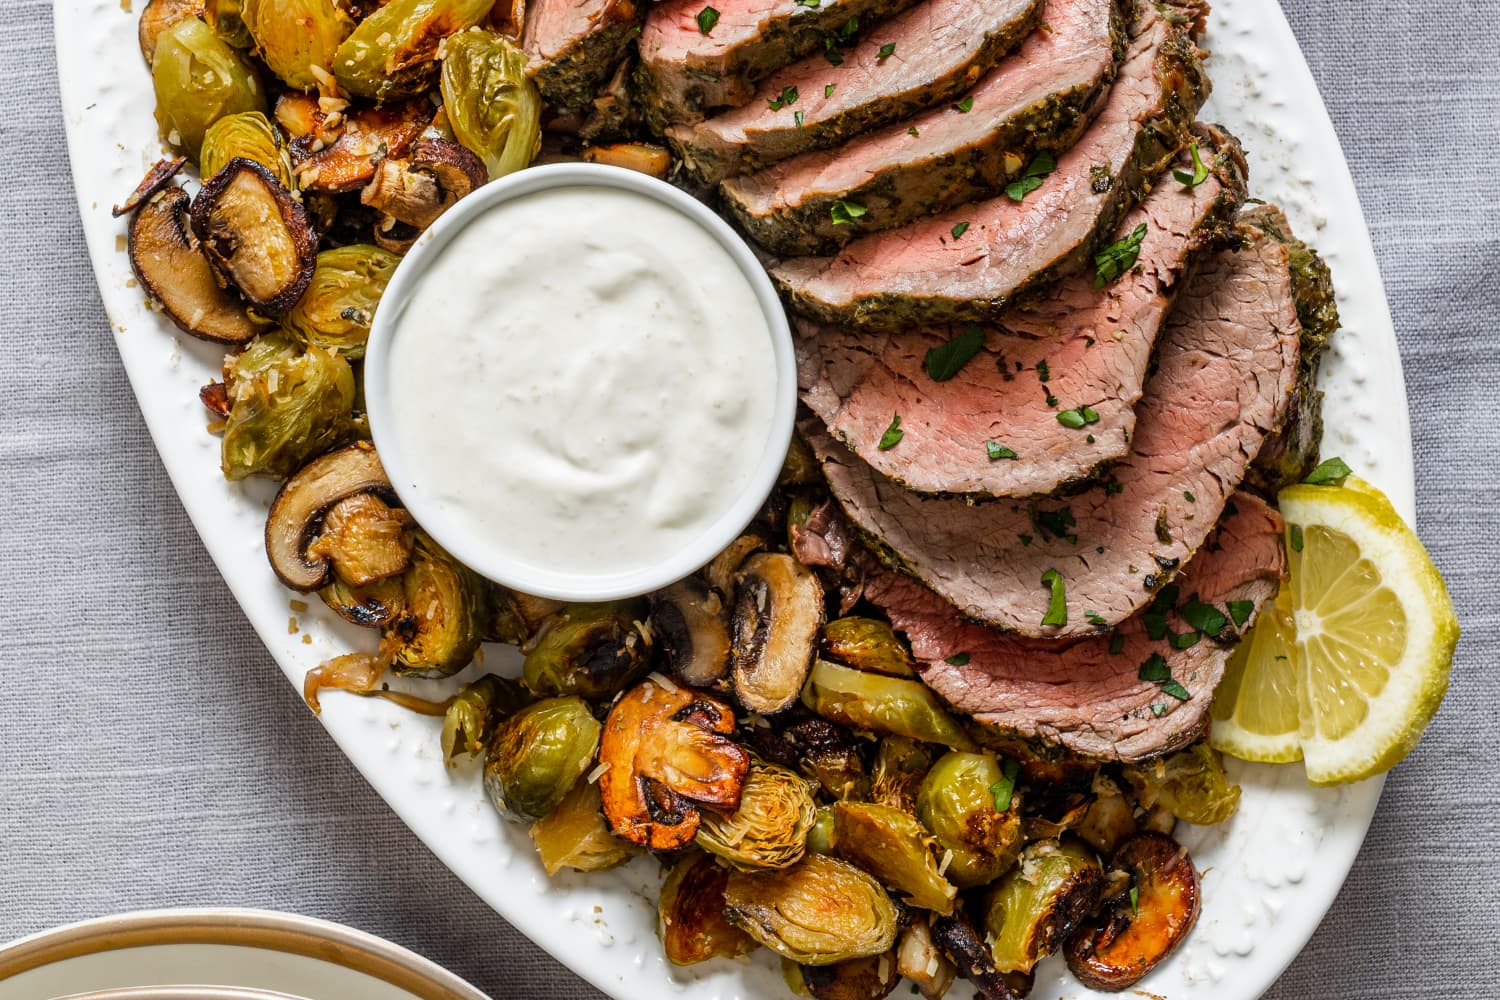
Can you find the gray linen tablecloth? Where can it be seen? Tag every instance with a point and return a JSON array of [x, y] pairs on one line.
[[152, 755]]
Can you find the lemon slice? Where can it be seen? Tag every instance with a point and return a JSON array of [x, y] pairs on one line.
[[1350, 664]]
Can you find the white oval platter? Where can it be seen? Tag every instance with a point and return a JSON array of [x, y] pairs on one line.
[[1271, 873]]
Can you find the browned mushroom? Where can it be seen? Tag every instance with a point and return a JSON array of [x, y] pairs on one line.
[[299, 508], [255, 234], [642, 157], [666, 751], [339, 157], [961, 941], [721, 571], [689, 620], [690, 913], [160, 15], [1139, 928], [365, 539], [418, 189], [778, 610], [919, 959], [179, 278], [160, 174], [873, 977]]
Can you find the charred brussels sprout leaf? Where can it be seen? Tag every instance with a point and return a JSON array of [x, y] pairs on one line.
[[866, 644], [881, 704], [227, 18], [375, 605], [1191, 784], [591, 650], [493, 108], [292, 36], [536, 756], [575, 835], [817, 912], [339, 305], [1034, 908], [770, 827], [439, 627], [957, 804], [286, 405], [690, 913], [199, 79], [390, 54], [896, 849], [821, 751], [248, 135], [475, 711]]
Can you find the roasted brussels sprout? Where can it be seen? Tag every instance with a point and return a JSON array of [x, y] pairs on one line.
[[821, 751], [957, 803], [896, 849], [297, 511], [820, 837], [440, 622], [390, 54], [1034, 908], [248, 135], [866, 644], [919, 959], [666, 752], [770, 827], [778, 609], [293, 36], [897, 772], [1110, 818], [416, 190], [817, 912], [375, 605], [574, 835], [227, 18], [536, 755], [591, 650], [199, 79], [1137, 930], [255, 234], [287, 404], [365, 540], [869, 978], [689, 622], [690, 913], [881, 704], [340, 302], [492, 107], [515, 617], [1191, 784], [475, 711]]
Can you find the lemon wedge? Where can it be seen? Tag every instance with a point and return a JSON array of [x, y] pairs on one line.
[[1352, 661]]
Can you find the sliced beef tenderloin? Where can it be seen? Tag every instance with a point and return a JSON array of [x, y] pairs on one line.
[[967, 263], [1040, 98], [926, 56], [1222, 379], [687, 72], [573, 46], [1088, 694], [1076, 346]]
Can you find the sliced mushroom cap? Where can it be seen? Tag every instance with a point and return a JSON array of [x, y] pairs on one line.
[[666, 751], [298, 510], [256, 234], [341, 157], [1139, 928], [873, 977], [160, 174], [688, 619], [961, 942], [720, 573], [778, 610], [160, 15], [423, 186], [178, 277], [366, 540]]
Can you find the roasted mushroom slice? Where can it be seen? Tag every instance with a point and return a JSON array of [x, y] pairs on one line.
[[720, 573], [817, 912], [770, 827], [179, 278], [574, 835], [642, 157], [665, 752], [1034, 909], [690, 913], [961, 942], [158, 177], [778, 610], [158, 16], [896, 849], [256, 234], [591, 650], [365, 539], [515, 617], [958, 803], [297, 512], [919, 959], [426, 184], [689, 622], [1138, 929], [535, 757], [871, 978], [866, 644], [336, 158], [881, 704]]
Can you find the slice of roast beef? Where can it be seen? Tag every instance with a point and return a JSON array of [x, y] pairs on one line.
[[1222, 379], [1040, 98], [926, 56], [1087, 694], [572, 47], [687, 72], [968, 262], [1076, 346]]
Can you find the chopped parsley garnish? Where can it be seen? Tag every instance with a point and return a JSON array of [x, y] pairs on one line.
[[828, 90], [1078, 418], [1056, 523], [957, 659], [788, 97], [845, 212], [1176, 690], [1031, 178], [1119, 257], [1043, 373], [1185, 640], [1199, 174], [707, 18], [886, 51], [1156, 624], [1158, 711], [809, 3], [1188, 496], [1094, 618], [1331, 473], [1156, 671], [1057, 603], [831, 51], [1204, 617], [1294, 536], [797, 118], [1117, 645], [913, 131], [942, 363], [997, 451], [1135, 892], [893, 434], [1240, 612], [960, 229], [1004, 789], [964, 106]]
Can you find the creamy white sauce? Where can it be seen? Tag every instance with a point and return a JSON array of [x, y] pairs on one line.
[[583, 380]]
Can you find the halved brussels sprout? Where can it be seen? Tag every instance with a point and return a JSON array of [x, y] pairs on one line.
[[881, 704], [492, 106], [689, 622], [373, 606], [957, 803], [869, 978], [536, 756], [227, 18], [778, 609], [800, 468], [365, 540], [390, 54], [817, 912], [340, 302], [515, 617], [293, 36], [439, 625], [297, 511], [1191, 784], [897, 772], [199, 79], [474, 712], [255, 234], [866, 644], [287, 404], [591, 650], [690, 913], [919, 959], [896, 849], [159, 15], [1037, 906], [770, 827], [666, 752], [575, 835], [248, 135], [820, 837]]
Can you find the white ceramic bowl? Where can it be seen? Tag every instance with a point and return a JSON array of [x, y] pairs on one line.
[[552, 582]]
